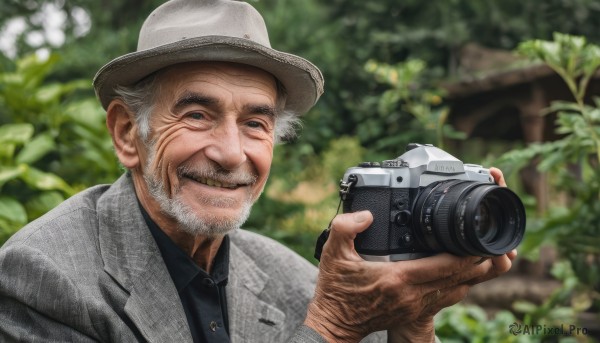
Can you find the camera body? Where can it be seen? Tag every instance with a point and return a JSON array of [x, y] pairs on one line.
[[427, 201]]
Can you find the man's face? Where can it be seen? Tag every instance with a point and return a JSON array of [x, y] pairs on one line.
[[211, 144]]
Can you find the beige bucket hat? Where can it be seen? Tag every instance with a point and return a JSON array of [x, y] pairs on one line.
[[210, 30]]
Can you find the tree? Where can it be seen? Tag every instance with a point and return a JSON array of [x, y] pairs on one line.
[[340, 37]]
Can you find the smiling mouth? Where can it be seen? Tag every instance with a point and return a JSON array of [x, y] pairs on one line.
[[214, 183]]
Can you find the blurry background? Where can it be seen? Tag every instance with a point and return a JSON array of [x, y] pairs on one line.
[[469, 76]]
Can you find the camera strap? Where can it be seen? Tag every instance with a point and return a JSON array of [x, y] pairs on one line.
[[344, 191]]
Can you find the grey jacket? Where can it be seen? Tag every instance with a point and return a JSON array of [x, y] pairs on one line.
[[89, 270]]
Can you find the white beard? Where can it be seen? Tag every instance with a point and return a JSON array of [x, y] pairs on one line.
[[189, 220]]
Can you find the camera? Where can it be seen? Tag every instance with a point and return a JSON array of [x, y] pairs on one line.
[[427, 201]]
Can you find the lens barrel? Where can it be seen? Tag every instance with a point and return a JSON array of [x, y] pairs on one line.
[[469, 218]]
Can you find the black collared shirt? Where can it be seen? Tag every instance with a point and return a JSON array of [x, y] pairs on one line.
[[202, 295]]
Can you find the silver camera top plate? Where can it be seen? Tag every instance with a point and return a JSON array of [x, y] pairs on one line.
[[418, 167]]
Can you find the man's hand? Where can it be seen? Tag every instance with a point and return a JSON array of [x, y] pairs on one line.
[[355, 297], [498, 177]]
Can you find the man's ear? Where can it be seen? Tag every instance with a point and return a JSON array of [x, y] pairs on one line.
[[121, 125]]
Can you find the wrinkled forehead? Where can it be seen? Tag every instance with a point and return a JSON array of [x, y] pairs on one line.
[[171, 81]]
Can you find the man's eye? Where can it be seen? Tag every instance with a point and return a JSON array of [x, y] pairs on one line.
[[254, 124], [196, 115]]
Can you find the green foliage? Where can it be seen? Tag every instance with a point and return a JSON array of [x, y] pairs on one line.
[[20, 149], [469, 323], [51, 145], [572, 162], [554, 311], [342, 36], [571, 57], [297, 206], [339, 37], [410, 94]]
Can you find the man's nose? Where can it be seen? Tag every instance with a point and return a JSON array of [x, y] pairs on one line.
[[227, 148]]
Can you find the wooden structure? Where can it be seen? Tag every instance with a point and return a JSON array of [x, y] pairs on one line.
[[496, 101]]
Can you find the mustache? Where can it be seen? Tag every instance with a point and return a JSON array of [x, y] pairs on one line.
[[242, 176]]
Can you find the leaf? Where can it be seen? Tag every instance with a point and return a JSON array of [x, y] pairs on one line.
[[452, 133], [591, 59], [593, 115], [34, 70], [388, 102], [7, 229], [16, 133], [12, 211], [49, 93], [523, 306], [558, 105], [36, 148], [581, 301], [88, 113], [42, 203], [38, 179], [7, 151], [10, 173], [53, 93]]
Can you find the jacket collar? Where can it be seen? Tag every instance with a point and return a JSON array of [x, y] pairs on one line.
[[133, 259]]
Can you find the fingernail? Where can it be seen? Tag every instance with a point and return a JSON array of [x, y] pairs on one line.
[[360, 217]]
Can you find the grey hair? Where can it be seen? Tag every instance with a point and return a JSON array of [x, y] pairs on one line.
[[140, 98]]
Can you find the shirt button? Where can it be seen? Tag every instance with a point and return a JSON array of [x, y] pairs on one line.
[[213, 326], [208, 282]]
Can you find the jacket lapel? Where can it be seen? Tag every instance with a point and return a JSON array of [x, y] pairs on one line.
[[132, 258], [250, 318]]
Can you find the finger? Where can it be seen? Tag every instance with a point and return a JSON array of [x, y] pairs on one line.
[[438, 267], [512, 255], [465, 277], [499, 266], [344, 229], [498, 176]]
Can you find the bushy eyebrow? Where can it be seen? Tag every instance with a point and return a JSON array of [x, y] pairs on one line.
[[261, 109], [193, 98]]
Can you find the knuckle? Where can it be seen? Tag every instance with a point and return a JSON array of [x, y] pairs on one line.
[[337, 222], [462, 291]]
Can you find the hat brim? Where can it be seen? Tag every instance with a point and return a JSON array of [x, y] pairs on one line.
[[303, 81]]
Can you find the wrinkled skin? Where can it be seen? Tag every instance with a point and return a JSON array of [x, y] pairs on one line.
[[210, 151], [356, 297]]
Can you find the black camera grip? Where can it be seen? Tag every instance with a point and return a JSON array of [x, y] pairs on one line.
[[320, 243]]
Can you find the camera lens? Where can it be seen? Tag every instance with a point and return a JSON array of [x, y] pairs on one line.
[[486, 221], [469, 218]]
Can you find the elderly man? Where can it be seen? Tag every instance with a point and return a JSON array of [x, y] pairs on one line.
[[158, 256]]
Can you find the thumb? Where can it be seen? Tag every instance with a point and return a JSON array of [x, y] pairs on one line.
[[343, 231]]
